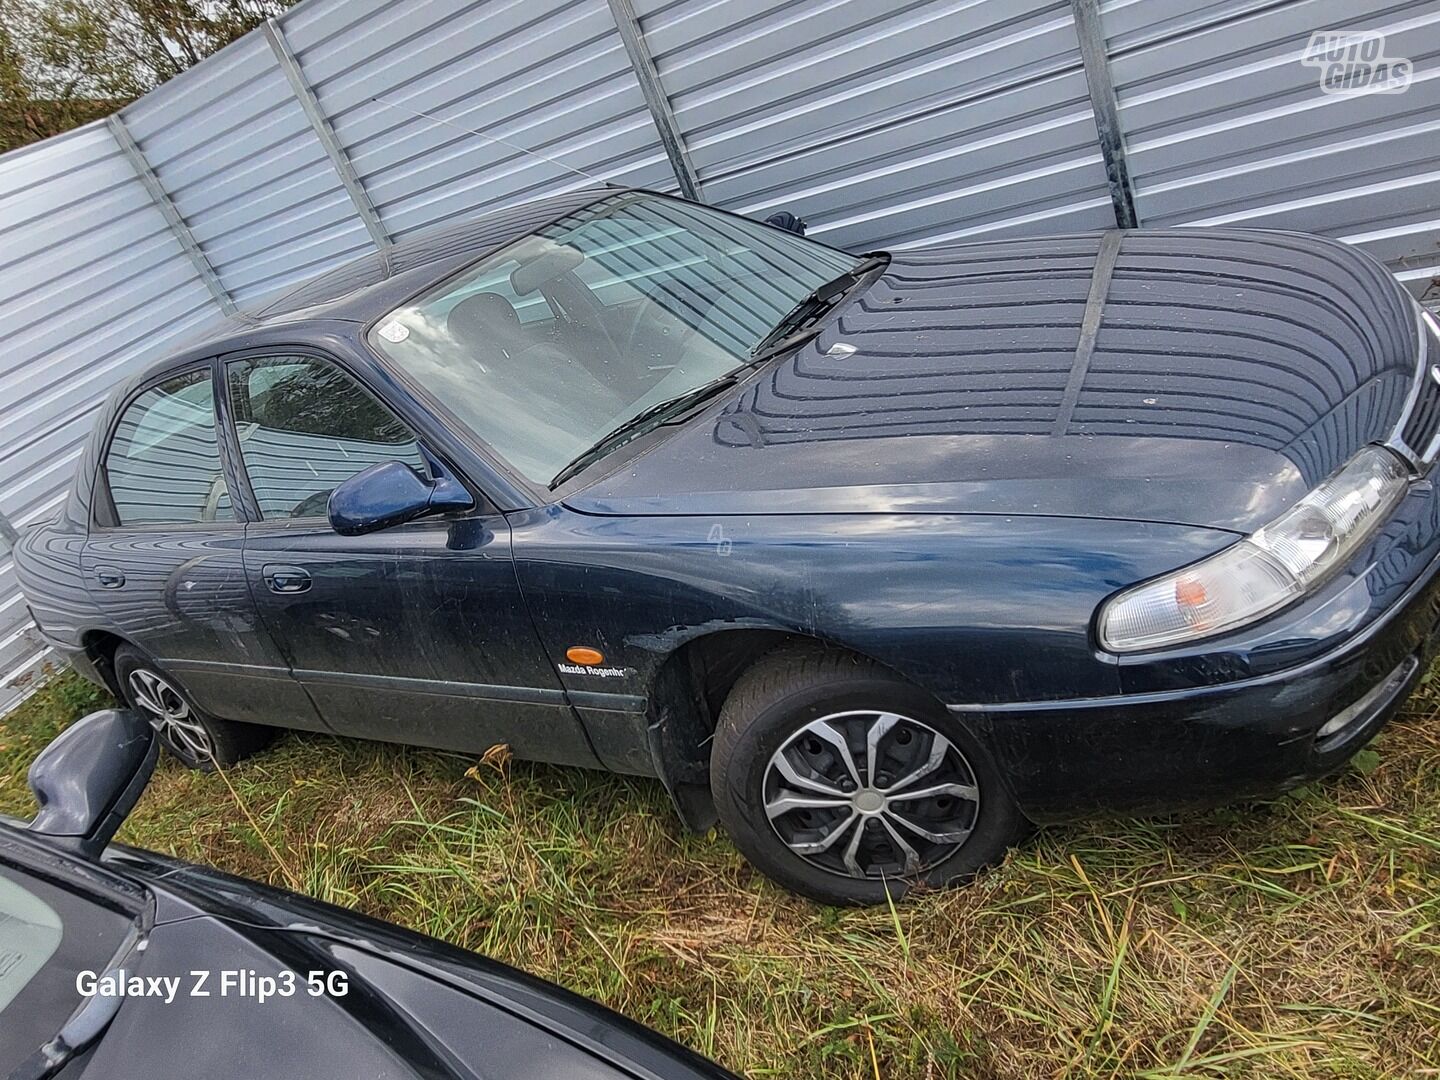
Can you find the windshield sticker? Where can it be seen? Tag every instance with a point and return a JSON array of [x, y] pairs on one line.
[[395, 331]]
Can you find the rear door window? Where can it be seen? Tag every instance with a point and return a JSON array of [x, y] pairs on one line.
[[163, 462]]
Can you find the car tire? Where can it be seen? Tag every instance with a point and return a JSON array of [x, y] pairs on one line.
[[196, 740], [777, 749]]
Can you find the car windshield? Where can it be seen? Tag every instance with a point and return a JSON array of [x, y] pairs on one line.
[[547, 345], [48, 935]]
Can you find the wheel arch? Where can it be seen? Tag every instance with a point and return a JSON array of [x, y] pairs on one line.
[[690, 687], [100, 648]]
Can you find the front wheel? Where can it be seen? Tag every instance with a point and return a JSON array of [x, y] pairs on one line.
[[843, 783]]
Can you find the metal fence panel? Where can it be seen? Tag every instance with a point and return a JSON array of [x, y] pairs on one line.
[[91, 283], [550, 76], [235, 153], [886, 124], [1225, 126]]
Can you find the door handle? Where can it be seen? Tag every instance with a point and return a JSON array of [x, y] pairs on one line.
[[109, 577], [286, 579]]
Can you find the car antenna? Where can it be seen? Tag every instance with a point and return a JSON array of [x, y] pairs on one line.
[[492, 138]]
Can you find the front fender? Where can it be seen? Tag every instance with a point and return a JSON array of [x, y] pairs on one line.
[[974, 608]]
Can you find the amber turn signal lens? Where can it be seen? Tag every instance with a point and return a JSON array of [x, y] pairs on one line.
[[580, 654], [1190, 593]]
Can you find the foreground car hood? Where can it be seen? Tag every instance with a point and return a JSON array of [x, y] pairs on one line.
[[1230, 372], [415, 1008]]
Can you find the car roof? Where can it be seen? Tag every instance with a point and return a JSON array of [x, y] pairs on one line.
[[367, 287]]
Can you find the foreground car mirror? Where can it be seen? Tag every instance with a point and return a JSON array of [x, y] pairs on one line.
[[392, 493], [90, 777]]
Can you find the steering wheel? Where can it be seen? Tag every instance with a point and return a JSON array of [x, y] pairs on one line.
[[312, 505], [677, 349]]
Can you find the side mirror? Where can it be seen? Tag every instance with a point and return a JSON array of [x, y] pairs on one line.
[[392, 493], [90, 777], [786, 222]]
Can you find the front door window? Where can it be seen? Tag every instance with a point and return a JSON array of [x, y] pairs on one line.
[[305, 426]]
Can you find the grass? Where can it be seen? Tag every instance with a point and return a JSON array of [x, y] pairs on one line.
[[1294, 938]]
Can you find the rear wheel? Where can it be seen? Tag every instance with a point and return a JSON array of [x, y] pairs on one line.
[[843, 783], [198, 741]]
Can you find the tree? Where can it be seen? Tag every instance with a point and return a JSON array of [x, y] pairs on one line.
[[35, 102], [66, 62]]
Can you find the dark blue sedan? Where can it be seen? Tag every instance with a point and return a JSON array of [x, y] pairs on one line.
[[877, 557]]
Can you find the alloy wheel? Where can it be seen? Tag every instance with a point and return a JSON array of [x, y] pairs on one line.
[[871, 794], [170, 715]]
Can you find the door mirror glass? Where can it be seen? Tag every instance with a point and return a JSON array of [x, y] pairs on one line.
[[89, 778], [391, 493]]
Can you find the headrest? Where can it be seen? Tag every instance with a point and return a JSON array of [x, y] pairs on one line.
[[481, 316], [547, 266]]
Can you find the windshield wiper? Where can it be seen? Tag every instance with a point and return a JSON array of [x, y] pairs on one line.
[[634, 427], [667, 410], [797, 327], [820, 300], [85, 1025], [90, 1018]]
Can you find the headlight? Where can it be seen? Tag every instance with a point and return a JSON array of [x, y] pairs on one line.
[[1265, 571]]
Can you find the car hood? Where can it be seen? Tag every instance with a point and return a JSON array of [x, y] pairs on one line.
[[1185, 376]]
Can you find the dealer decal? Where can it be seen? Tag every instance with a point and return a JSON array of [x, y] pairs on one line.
[[602, 672], [586, 660]]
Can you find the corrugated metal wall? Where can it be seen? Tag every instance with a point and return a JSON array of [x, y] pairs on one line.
[[91, 281], [895, 123], [883, 122], [548, 75], [1224, 126], [234, 152]]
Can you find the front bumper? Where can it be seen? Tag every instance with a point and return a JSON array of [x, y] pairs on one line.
[[1173, 749]]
